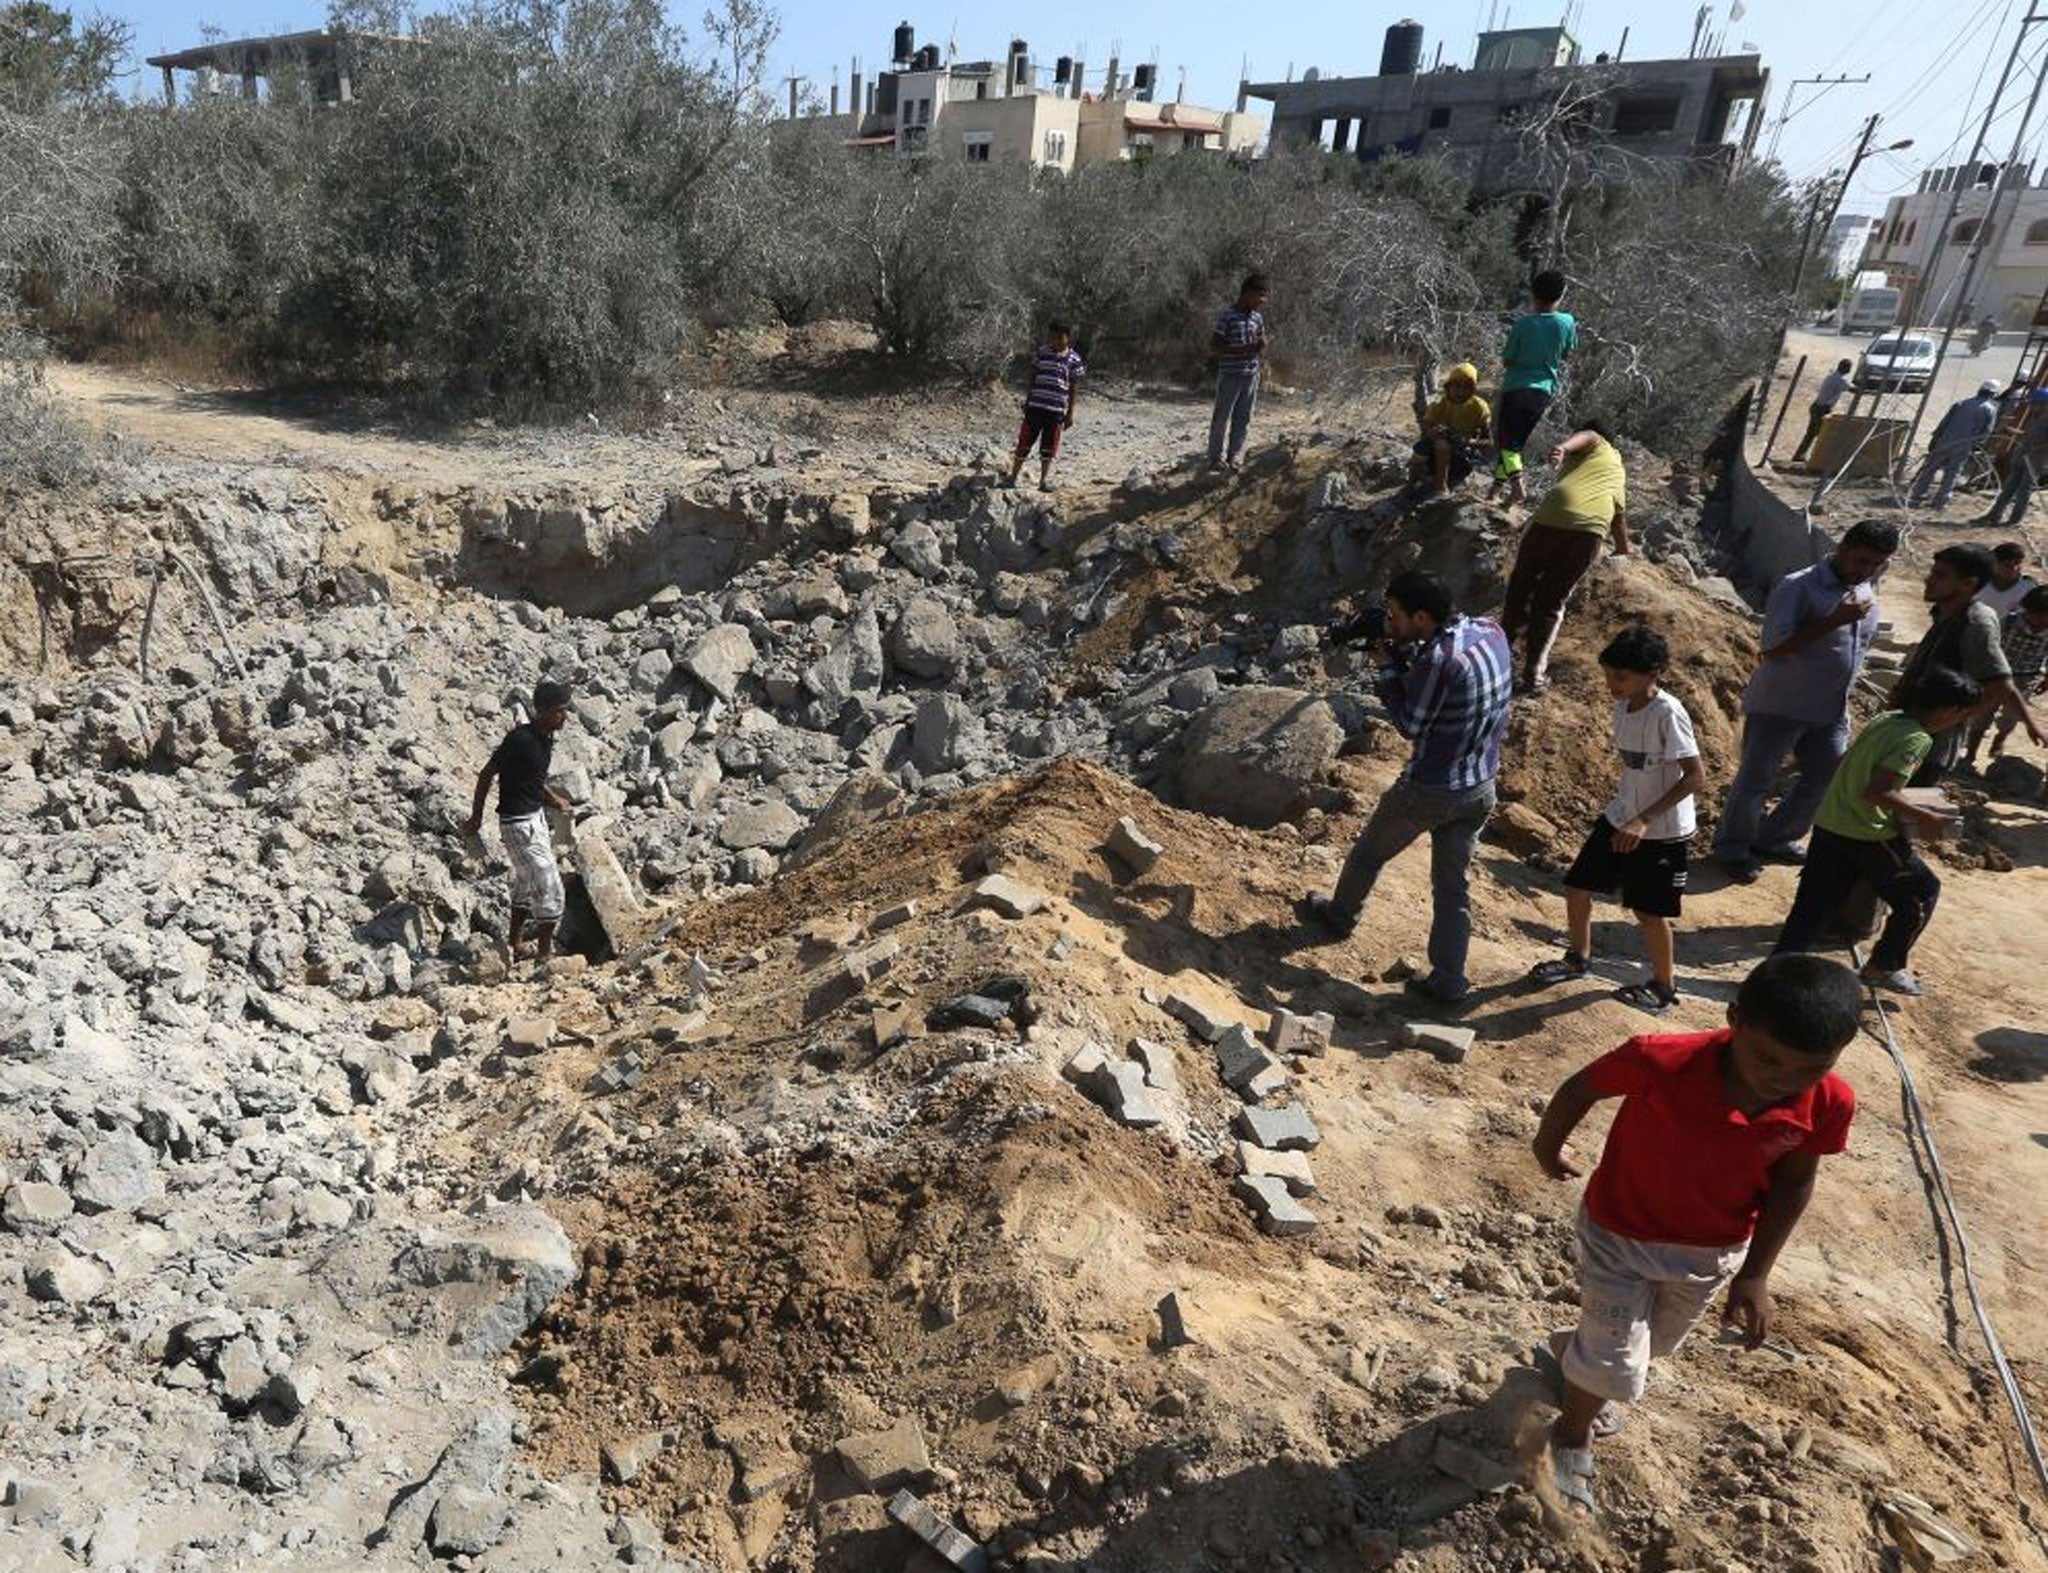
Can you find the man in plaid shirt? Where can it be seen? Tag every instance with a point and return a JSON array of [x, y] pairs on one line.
[[2024, 639], [1446, 685]]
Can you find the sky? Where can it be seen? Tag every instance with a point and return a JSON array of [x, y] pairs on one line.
[[1929, 62]]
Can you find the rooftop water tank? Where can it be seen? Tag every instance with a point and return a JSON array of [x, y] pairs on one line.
[[906, 43], [1401, 54]]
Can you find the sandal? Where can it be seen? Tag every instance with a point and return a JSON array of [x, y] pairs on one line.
[[1571, 1469], [1650, 998], [1568, 968], [1607, 1420]]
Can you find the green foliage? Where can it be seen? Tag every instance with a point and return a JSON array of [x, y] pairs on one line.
[[47, 59]]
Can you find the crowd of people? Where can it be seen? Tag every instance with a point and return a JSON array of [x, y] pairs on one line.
[[1713, 1154]]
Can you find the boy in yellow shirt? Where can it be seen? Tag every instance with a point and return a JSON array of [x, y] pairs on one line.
[[1452, 429]]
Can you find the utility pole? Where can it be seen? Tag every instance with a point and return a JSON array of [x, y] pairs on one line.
[[794, 82], [1823, 82], [1986, 229]]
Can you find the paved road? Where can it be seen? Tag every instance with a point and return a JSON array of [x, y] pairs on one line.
[[1960, 374]]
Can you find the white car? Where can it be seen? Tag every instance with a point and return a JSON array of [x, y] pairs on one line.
[[1896, 363]]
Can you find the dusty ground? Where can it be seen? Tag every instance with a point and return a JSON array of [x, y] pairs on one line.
[[788, 1237]]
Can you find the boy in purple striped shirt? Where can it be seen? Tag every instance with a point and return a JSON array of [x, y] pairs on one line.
[[1056, 373]]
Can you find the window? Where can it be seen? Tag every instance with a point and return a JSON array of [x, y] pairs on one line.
[[2037, 232], [1965, 232], [1645, 116], [1912, 229], [1056, 147], [979, 144], [1190, 139], [1440, 119]]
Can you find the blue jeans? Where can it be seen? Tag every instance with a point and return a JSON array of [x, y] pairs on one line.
[[1452, 818], [2018, 491], [1942, 465], [1766, 740], [1237, 393]]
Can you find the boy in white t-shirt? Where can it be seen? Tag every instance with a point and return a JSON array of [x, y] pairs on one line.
[[1638, 844]]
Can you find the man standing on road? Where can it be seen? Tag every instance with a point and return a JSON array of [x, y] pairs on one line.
[[1965, 636], [1446, 684], [1832, 387], [520, 767], [1239, 344], [1818, 627], [1563, 541], [1961, 431]]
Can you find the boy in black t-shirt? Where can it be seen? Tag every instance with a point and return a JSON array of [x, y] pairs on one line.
[[520, 767]]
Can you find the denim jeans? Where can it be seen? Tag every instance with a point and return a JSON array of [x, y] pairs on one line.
[[1942, 466], [1452, 818], [1237, 393], [2017, 491], [1766, 740]]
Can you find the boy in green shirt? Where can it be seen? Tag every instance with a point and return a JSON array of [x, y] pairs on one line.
[[1532, 364], [1860, 831]]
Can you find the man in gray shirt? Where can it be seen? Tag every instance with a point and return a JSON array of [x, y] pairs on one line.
[[1818, 626], [1964, 636], [1965, 426], [1832, 387]]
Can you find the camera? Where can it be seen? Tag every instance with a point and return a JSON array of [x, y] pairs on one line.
[[1366, 626]]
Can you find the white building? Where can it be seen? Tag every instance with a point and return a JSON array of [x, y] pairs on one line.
[[1924, 258]]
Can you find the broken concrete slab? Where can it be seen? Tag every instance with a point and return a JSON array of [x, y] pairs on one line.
[[1285, 1129], [1290, 1167], [952, 1547], [620, 1074], [32, 1207], [1449, 1044], [892, 917], [1287, 1033], [54, 1274], [492, 1278], [968, 1010], [882, 1461], [117, 1173], [1117, 1084], [871, 962], [1008, 896], [1131, 847], [529, 1034], [627, 920], [1162, 1070], [1246, 1068], [1198, 1018], [890, 1025], [1278, 1212]]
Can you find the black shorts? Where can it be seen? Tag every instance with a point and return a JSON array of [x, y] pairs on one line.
[[1516, 417], [1461, 455], [1651, 879]]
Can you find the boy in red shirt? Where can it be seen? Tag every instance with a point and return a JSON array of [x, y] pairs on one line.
[[1708, 1166]]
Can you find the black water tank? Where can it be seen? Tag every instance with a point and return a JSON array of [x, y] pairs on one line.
[[928, 58], [1143, 80], [906, 43], [1063, 70], [1401, 54]]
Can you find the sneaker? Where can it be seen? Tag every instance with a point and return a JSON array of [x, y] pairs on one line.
[[1213, 467], [1740, 871], [1790, 856], [1900, 982], [1324, 914], [1434, 994], [1045, 485]]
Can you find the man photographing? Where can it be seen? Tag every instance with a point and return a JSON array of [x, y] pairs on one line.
[[1446, 680]]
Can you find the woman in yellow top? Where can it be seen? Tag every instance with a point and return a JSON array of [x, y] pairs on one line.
[[1452, 429], [1575, 519]]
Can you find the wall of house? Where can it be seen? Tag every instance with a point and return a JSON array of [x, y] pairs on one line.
[[1017, 127]]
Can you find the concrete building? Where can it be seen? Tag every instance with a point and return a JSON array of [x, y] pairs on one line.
[[1846, 240], [323, 64], [1014, 109], [1671, 111], [1924, 258]]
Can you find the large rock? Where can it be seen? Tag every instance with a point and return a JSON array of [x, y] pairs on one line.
[[945, 735], [1258, 756], [853, 666], [926, 639], [721, 658], [491, 1280], [117, 1173], [772, 825]]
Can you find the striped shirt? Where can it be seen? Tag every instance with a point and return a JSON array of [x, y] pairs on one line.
[[1451, 700], [2026, 652], [1053, 375], [1244, 338]]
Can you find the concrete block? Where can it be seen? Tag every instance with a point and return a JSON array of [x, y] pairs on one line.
[[1288, 1033], [1118, 1085], [1162, 1071], [1198, 1018], [1278, 1212], [529, 1034], [891, 1025], [1449, 1044], [1247, 1069], [1173, 1321], [620, 1074], [949, 1544], [1289, 1167], [1285, 1129], [627, 920], [892, 917], [870, 962], [1007, 896], [885, 1460], [1131, 847]]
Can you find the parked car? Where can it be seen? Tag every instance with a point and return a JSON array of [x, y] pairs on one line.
[[1869, 310], [1896, 363]]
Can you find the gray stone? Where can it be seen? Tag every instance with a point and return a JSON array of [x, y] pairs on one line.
[[947, 1543], [56, 1275], [1173, 1321], [926, 639], [883, 1460], [1449, 1044], [622, 1461], [1258, 756], [772, 826], [239, 1367], [1198, 1018], [917, 547], [1007, 896], [1291, 1168], [492, 1279], [853, 666], [1131, 847], [1192, 690], [117, 1174], [865, 965], [1162, 1069], [892, 917], [1278, 1212], [467, 1521], [1246, 1068], [945, 733], [31, 1207], [1285, 1129], [1288, 1033], [1118, 1085], [721, 659]]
